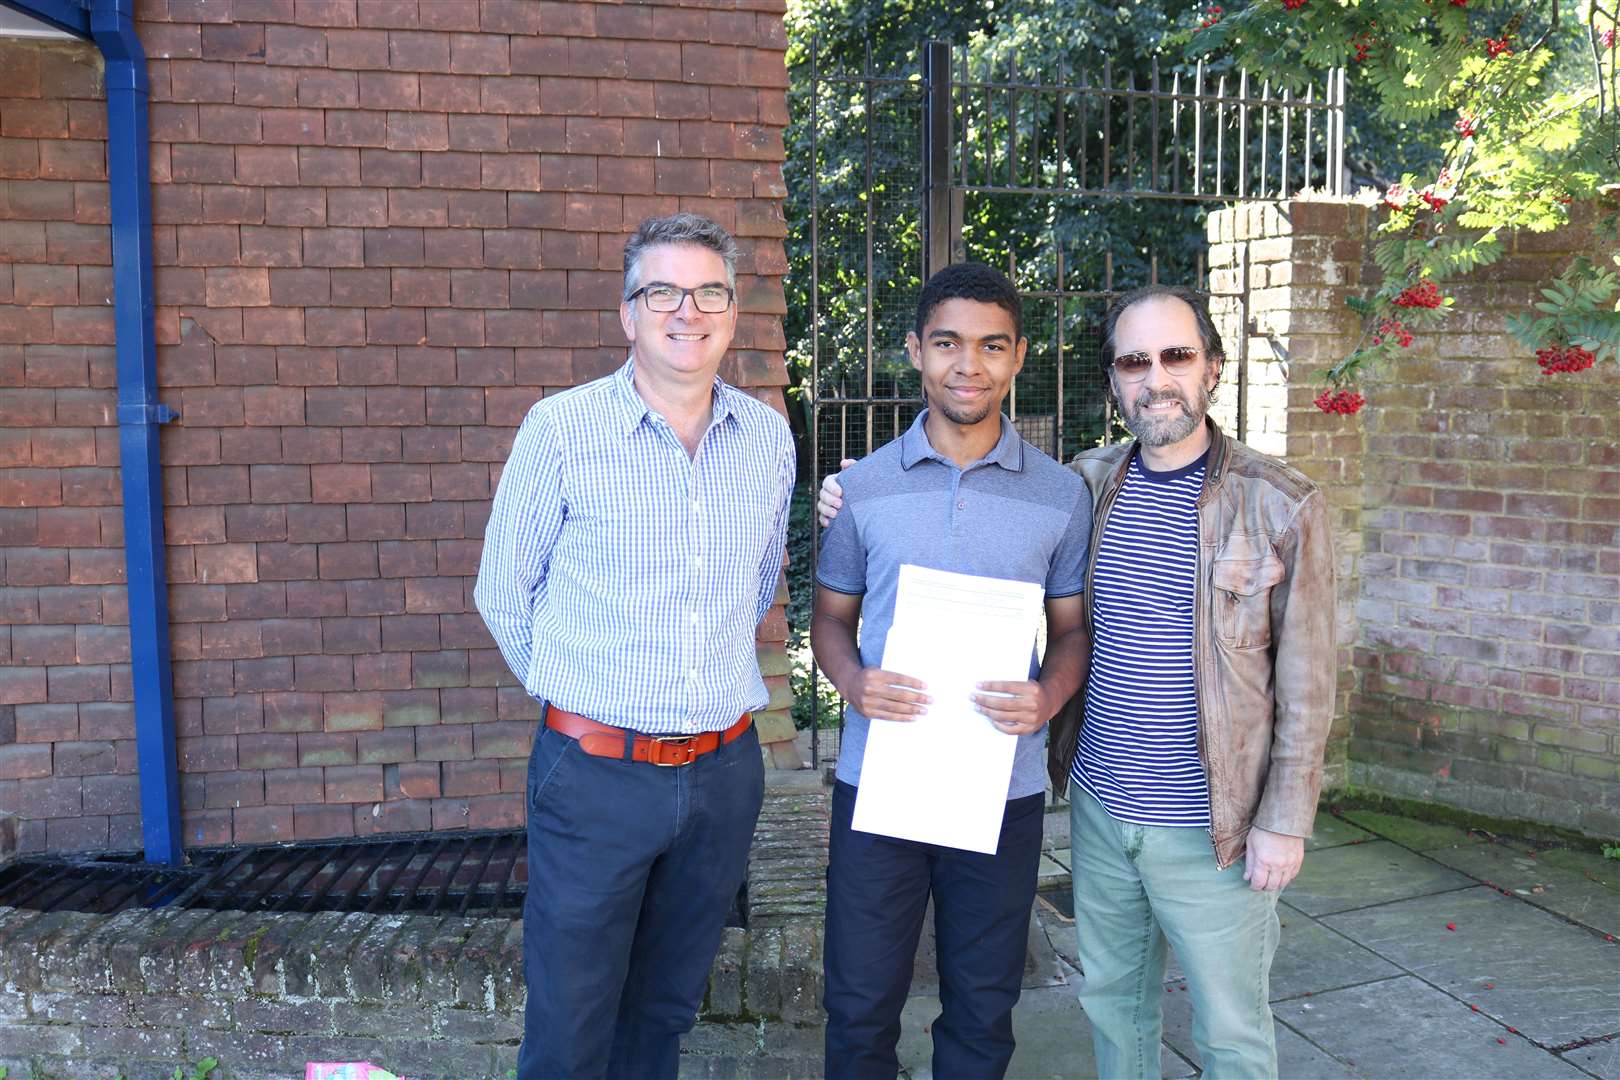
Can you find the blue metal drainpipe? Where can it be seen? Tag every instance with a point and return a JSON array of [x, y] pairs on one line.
[[111, 24]]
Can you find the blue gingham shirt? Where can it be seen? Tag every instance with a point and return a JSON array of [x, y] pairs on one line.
[[624, 580]]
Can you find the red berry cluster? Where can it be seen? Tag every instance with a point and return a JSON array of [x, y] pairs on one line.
[[1213, 16], [1459, 3], [1363, 44], [1293, 5], [1465, 126], [1423, 295], [1397, 197], [1393, 328], [1495, 47], [1608, 39], [1556, 358], [1436, 201], [1342, 402]]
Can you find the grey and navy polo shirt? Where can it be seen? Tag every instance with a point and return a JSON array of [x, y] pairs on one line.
[[1014, 514]]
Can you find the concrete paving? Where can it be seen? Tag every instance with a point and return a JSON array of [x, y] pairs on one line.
[[1408, 950]]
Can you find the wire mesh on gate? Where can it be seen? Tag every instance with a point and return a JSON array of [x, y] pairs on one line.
[[1080, 188]]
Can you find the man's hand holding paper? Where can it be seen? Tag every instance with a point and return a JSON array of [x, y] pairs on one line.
[[1017, 708], [888, 695], [943, 780]]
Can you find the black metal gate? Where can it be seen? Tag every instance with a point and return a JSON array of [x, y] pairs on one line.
[[1058, 178]]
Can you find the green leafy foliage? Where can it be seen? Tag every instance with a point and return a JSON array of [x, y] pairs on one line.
[[1580, 308], [198, 1072], [1517, 101]]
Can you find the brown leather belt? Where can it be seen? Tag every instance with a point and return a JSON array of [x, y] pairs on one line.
[[600, 740]]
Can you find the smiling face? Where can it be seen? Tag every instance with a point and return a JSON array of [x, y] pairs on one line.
[[686, 344], [968, 353], [1161, 409]]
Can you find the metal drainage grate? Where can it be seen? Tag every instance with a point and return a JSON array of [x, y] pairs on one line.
[[480, 874]]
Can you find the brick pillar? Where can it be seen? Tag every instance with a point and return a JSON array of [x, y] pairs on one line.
[[1299, 260]]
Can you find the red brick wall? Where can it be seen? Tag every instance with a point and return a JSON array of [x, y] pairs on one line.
[[383, 230], [1479, 502]]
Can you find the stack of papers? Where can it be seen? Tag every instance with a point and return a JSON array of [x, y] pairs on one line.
[[942, 778]]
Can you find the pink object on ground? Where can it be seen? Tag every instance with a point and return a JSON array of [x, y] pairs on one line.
[[346, 1070]]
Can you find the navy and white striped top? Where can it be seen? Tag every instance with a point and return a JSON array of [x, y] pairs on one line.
[[1138, 752], [622, 579]]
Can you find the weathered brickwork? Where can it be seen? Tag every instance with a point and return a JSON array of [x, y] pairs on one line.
[[431, 997], [383, 229], [1477, 508]]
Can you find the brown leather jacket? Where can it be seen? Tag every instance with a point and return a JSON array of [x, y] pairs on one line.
[[1264, 656]]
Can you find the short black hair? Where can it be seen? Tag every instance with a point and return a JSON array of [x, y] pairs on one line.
[[971, 281], [1209, 337]]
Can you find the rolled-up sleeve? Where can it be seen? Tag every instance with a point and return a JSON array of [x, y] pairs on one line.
[[524, 521]]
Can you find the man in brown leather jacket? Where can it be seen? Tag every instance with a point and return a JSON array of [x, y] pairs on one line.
[[1197, 741]]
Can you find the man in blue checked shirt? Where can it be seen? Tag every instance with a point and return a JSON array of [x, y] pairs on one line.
[[634, 544]]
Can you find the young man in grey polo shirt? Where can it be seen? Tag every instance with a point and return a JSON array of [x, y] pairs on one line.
[[959, 491]]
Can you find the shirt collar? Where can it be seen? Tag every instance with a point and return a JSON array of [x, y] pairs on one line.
[[915, 447], [633, 408]]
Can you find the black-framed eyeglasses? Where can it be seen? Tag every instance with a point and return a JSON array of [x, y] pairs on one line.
[[1176, 360], [709, 299]]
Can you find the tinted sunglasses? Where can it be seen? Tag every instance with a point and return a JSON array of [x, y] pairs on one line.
[[1176, 360]]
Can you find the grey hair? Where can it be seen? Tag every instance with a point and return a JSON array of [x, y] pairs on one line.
[[682, 228]]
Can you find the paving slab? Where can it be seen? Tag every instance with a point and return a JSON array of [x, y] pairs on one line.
[[1312, 957], [1052, 871], [1601, 1059], [1055, 833], [1589, 864], [1554, 981], [1330, 831], [1558, 889], [1358, 875], [1054, 1039], [1411, 833], [1296, 1056], [1404, 1027]]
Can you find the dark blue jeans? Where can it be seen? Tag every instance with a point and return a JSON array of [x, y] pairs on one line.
[[632, 869], [877, 897]]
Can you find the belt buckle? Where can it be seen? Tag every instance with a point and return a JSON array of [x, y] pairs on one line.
[[654, 755]]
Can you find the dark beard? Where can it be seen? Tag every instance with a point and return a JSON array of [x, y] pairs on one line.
[[1169, 430]]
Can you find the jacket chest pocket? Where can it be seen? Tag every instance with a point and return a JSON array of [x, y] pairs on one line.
[[1242, 595]]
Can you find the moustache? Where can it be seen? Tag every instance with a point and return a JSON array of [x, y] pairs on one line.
[[1153, 397]]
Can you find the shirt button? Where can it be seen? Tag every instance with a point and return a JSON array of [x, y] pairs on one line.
[[961, 504]]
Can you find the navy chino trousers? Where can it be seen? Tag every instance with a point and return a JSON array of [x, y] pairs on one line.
[[632, 869], [877, 897]]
